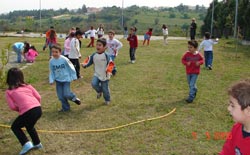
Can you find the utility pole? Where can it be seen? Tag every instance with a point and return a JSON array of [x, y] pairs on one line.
[[122, 14], [40, 15], [236, 19], [212, 20]]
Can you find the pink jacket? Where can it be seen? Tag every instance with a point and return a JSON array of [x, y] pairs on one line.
[[22, 99], [31, 55]]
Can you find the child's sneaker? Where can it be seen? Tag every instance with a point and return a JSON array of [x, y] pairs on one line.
[[77, 101], [26, 148], [107, 102], [38, 146], [189, 100], [99, 95], [133, 61]]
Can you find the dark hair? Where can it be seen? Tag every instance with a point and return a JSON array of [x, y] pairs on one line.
[[78, 32], [193, 43], [51, 27], [150, 29], [15, 78], [164, 26], [103, 41], [241, 92], [57, 46], [26, 47], [33, 47], [91, 27], [77, 28], [207, 35]]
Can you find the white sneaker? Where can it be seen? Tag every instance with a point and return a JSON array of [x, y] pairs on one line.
[[26, 148], [107, 102], [133, 61], [38, 146]]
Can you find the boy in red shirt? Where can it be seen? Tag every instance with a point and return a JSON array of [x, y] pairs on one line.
[[239, 108], [133, 43], [192, 59]]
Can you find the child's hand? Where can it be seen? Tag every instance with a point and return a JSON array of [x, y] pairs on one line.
[[197, 63], [189, 63], [83, 65], [109, 75]]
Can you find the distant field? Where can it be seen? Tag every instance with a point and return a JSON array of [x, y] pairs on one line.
[[151, 87]]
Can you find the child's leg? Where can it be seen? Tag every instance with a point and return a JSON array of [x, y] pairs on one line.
[[133, 54], [77, 67], [60, 93], [143, 42], [32, 117], [114, 69], [105, 89], [96, 84], [92, 41], [192, 78], [74, 62], [206, 55], [130, 53], [67, 93], [210, 62], [148, 42], [16, 128]]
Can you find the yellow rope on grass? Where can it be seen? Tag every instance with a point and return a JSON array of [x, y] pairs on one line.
[[98, 130]]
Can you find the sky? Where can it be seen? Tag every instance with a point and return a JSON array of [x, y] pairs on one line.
[[11, 5]]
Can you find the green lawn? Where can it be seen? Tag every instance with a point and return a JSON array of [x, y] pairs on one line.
[[151, 87]]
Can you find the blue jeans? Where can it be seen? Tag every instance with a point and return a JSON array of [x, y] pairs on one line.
[[64, 94], [101, 87], [191, 78], [132, 53], [18, 52], [112, 57], [208, 58]]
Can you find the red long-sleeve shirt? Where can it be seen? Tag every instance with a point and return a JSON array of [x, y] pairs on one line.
[[193, 58], [133, 41], [236, 144]]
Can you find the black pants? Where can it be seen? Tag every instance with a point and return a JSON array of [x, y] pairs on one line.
[[27, 120], [76, 64], [132, 53]]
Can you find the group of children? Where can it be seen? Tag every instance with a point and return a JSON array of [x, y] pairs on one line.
[[25, 52], [23, 98]]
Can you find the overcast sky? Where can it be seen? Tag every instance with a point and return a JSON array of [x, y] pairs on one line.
[[11, 5]]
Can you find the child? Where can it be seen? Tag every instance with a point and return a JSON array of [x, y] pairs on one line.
[[51, 40], [103, 68], [92, 33], [239, 108], [207, 44], [147, 36], [100, 31], [67, 44], [113, 46], [133, 43], [192, 59], [165, 33], [62, 72], [31, 55], [24, 99], [75, 53], [18, 48]]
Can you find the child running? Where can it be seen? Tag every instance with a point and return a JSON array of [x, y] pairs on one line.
[[165, 34], [103, 66], [92, 33], [133, 43], [24, 99], [238, 141], [113, 47], [192, 59], [207, 44], [147, 36], [62, 72]]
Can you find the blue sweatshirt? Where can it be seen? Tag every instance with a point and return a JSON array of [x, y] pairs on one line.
[[61, 70]]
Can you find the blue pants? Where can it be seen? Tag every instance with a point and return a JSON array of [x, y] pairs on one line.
[[132, 53], [208, 58], [191, 78], [64, 94], [101, 87], [18, 52]]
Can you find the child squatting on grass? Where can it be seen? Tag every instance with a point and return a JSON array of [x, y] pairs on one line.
[[239, 108], [62, 72], [24, 99], [103, 66], [192, 59]]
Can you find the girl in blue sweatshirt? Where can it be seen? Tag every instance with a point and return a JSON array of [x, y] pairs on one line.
[[62, 72]]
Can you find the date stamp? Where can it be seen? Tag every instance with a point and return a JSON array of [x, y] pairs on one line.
[[212, 136]]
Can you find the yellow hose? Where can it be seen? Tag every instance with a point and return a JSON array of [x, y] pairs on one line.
[[98, 130]]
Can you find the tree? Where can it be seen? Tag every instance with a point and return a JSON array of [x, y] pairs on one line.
[[84, 9], [172, 15]]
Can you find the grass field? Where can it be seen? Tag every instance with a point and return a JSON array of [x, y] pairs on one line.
[[151, 87]]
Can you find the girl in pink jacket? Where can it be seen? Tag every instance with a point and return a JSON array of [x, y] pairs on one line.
[[31, 55], [24, 99]]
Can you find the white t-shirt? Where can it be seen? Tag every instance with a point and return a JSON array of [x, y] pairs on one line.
[[113, 46], [91, 32], [74, 49], [165, 31], [207, 44]]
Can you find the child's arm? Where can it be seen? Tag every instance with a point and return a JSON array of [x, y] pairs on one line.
[[71, 69], [136, 42], [201, 61], [109, 67], [118, 47], [88, 61], [201, 46], [51, 74], [10, 102], [184, 60]]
